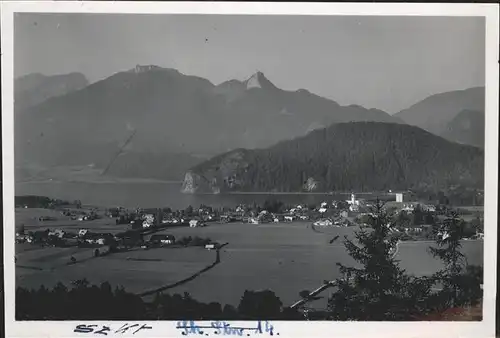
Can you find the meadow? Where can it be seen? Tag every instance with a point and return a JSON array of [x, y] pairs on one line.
[[30, 219], [285, 258]]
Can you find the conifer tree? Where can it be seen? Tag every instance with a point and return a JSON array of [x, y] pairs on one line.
[[377, 289], [459, 283]]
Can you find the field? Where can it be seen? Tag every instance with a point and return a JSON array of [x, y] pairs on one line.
[[30, 219], [286, 258]]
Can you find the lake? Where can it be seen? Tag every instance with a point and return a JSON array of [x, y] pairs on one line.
[[156, 195]]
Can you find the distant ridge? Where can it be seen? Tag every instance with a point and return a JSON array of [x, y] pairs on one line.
[[35, 88], [435, 112], [467, 127]]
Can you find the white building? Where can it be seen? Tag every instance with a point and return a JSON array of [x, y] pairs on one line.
[[408, 207], [353, 200], [148, 220], [57, 233], [324, 222], [194, 223], [354, 207], [149, 217], [399, 198]]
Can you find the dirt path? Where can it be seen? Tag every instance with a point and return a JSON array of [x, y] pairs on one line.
[[188, 279]]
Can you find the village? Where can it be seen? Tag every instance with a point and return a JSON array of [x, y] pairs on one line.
[[126, 229], [150, 249]]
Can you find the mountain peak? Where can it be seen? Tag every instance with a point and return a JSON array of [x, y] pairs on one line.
[[145, 68], [258, 80]]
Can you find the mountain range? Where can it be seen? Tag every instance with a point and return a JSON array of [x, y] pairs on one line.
[[167, 121], [153, 122], [35, 88], [439, 114], [361, 156]]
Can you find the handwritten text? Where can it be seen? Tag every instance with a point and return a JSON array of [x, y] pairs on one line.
[[224, 329], [104, 330]]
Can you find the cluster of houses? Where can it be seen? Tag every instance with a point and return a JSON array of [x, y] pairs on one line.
[[335, 213], [335, 222], [80, 215], [58, 237], [144, 218], [86, 238], [410, 207]]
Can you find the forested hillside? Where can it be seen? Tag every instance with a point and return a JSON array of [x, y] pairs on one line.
[[362, 156]]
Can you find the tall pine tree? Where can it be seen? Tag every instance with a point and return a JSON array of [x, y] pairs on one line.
[[459, 283], [378, 289]]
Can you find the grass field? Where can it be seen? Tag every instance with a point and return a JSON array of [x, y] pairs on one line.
[[286, 258], [30, 218]]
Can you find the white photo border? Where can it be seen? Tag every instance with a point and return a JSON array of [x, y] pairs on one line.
[[485, 328]]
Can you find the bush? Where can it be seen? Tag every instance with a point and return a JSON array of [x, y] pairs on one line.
[[196, 241], [185, 241], [260, 304]]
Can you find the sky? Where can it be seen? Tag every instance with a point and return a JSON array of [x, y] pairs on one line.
[[387, 63]]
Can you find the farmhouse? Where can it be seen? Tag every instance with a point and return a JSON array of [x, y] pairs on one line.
[[82, 232], [196, 223], [162, 239], [323, 222], [56, 233]]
